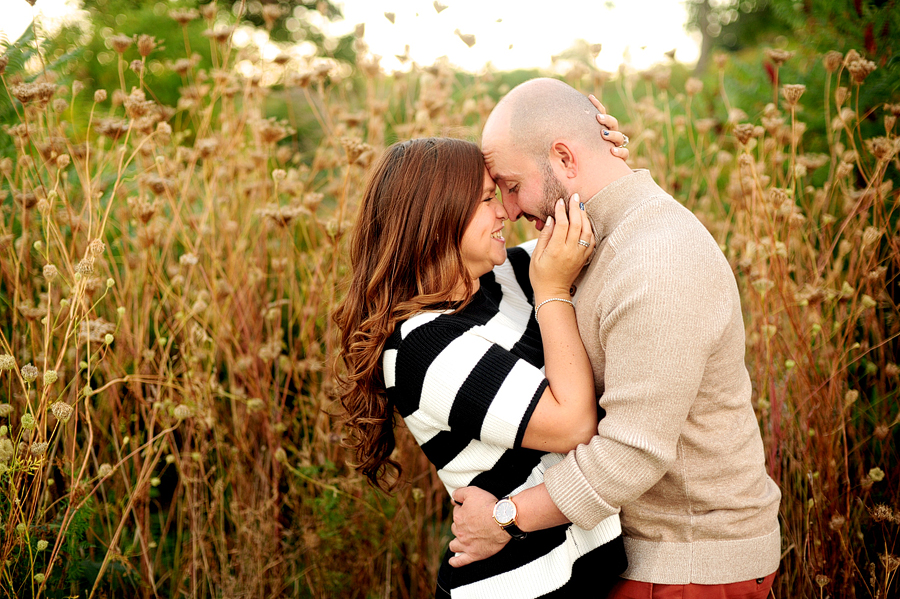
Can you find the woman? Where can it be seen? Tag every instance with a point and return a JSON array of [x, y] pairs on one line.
[[441, 324]]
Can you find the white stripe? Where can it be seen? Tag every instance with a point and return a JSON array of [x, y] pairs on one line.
[[422, 426], [389, 362], [547, 573], [416, 321], [447, 373], [505, 414], [476, 458]]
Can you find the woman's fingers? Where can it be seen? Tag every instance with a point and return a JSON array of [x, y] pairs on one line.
[[576, 217], [611, 130]]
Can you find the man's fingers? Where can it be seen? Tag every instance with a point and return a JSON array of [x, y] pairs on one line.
[[459, 495], [463, 559]]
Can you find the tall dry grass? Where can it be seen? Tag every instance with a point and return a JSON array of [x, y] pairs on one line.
[[166, 276]]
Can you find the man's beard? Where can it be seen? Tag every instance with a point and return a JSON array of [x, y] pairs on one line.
[[552, 190]]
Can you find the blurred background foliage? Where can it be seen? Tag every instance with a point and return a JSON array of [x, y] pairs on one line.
[[205, 457]]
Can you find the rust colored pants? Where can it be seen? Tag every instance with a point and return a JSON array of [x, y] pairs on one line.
[[749, 589]]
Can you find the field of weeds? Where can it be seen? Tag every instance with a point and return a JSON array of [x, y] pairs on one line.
[[167, 426]]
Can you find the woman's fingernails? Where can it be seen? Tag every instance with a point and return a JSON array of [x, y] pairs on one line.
[[605, 133], [548, 222], [602, 119], [581, 205]]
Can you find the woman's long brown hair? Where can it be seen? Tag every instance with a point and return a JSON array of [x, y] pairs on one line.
[[405, 256]]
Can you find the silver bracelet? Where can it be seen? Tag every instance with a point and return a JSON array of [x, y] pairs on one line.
[[552, 299]]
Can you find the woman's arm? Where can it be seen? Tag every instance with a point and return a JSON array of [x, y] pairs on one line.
[[566, 414]]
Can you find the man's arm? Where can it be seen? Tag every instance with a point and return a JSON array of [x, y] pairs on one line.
[[478, 536]]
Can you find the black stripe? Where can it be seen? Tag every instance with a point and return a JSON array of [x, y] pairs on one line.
[[420, 348], [442, 448], [593, 574], [526, 417], [510, 471], [470, 406]]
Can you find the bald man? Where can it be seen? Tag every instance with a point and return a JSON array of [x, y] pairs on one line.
[[678, 453]]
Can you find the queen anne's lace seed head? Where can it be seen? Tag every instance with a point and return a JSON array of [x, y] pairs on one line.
[[39, 449], [182, 411], [28, 422], [62, 411], [29, 373], [50, 377], [104, 470], [7, 362]]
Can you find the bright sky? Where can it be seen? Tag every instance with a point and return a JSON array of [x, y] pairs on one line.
[[508, 33]]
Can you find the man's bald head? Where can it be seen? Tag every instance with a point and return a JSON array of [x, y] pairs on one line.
[[534, 114]]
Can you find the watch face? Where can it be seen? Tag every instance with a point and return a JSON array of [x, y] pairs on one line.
[[505, 511]]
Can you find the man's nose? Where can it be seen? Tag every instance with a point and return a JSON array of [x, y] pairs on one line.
[[512, 209]]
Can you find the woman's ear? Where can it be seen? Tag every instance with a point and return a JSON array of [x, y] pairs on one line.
[[563, 160]]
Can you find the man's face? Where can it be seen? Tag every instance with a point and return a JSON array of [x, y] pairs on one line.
[[526, 187]]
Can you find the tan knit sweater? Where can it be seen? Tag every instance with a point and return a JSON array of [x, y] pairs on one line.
[[679, 450]]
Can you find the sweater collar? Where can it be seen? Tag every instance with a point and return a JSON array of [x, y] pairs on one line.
[[609, 206]]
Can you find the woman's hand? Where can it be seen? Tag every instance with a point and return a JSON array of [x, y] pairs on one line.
[[563, 248], [611, 130]]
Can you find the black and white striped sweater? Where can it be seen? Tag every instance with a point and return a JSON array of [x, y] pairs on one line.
[[466, 385]]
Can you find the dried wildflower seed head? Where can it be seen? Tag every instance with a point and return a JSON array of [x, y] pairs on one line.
[[693, 86], [882, 431], [779, 57], [743, 132], [29, 373], [42, 545], [104, 470], [4, 60], [7, 362], [7, 450], [183, 16], [60, 105], [181, 412], [85, 266], [278, 174], [5, 410], [187, 259], [136, 66], [146, 44], [100, 96], [61, 410], [859, 67], [792, 92], [38, 449], [822, 580], [832, 60], [96, 247], [120, 42], [62, 161], [209, 11], [883, 148], [77, 87], [270, 14], [50, 377], [28, 422], [50, 272]]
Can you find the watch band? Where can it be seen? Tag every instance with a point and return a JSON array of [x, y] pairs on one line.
[[515, 532]]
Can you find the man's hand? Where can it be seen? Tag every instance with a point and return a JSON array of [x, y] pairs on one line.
[[478, 536]]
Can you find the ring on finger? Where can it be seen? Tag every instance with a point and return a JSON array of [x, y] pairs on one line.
[[624, 143], [584, 243]]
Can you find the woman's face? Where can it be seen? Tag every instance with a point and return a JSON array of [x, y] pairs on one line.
[[483, 245]]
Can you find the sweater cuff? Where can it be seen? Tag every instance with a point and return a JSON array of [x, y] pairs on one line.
[[574, 496]]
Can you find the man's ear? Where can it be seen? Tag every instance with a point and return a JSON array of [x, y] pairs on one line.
[[563, 160]]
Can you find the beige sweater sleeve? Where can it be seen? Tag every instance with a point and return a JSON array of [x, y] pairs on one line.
[[667, 294]]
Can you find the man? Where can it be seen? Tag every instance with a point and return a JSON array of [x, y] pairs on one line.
[[679, 450]]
